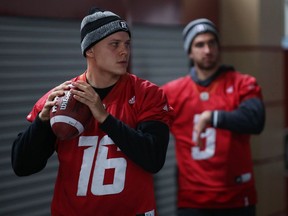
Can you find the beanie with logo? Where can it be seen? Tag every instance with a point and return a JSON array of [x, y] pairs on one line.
[[196, 27], [99, 24]]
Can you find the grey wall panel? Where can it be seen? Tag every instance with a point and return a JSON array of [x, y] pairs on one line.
[[158, 53], [35, 56], [158, 56]]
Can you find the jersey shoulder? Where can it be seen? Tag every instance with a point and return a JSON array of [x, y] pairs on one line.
[[38, 106], [151, 101], [245, 84], [141, 83], [143, 88], [177, 83], [178, 88], [239, 78]]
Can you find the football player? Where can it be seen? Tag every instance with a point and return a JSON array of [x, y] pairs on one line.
[[108, 169], [217, 109]]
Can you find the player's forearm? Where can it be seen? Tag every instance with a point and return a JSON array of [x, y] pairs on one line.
[[146, 146], [32, 148], [248, 118]]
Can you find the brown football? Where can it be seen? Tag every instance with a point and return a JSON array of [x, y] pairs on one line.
[[69, 117]]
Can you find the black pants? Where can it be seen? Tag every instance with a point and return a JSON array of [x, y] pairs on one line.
[[246, 211]]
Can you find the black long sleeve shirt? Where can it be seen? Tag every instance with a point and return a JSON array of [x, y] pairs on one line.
[[146, 145]]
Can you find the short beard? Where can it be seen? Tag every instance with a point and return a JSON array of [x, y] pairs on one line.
[[208, 67]]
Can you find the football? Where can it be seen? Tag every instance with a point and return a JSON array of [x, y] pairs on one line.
[[69, 117]]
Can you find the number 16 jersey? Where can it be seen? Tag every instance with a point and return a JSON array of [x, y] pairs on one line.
[[95, 177]]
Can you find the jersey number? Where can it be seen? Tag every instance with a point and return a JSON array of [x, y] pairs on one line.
[[209, 134], [102, 163]]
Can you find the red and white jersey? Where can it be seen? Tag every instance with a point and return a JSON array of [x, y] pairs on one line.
[[220, 173], [95, 177]]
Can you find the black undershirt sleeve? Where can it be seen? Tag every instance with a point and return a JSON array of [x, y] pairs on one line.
[[146, 145], [248, 118], [32, 148]]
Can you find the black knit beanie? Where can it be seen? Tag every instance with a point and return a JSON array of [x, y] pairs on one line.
[[99, 24], [196, 27]]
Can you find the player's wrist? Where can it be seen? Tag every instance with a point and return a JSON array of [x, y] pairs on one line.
[[207, 115], [102, 118], [43, 117]]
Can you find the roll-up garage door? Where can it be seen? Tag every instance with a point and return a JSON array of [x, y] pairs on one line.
[[35, 55], [158, 56]]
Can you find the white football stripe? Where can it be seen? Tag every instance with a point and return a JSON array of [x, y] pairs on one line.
[[67, 120]]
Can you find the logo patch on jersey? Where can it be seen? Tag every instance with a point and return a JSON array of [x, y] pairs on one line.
[[166, 108], [252, 86], [204, 96], [229, 90], [29, 116], [243, 178], [149, 213], [132, 100]]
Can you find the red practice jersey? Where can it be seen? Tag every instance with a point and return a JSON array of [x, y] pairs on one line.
[[94, 176], [218, 174]]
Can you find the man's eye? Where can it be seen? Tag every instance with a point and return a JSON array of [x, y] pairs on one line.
[[213, 43], [199, 45]]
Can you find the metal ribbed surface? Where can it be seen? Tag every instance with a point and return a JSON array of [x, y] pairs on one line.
[[35, 55], [158, 56], [157, 53]]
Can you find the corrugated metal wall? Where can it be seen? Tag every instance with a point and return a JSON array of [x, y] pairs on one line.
[[157, 53], [38, 54], [159, 57], [35, 55]]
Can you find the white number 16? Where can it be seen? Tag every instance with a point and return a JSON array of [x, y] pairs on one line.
[[102, 163]]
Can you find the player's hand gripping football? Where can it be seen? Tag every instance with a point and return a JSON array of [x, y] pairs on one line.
[[44, 115], [87, 95], [199, 128]]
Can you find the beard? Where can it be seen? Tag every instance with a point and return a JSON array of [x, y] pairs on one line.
[[207, 65]]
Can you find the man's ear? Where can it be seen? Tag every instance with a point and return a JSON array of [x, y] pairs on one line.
[[89, 52]]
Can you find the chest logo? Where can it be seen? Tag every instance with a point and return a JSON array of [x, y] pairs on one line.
[[132, 100], [229, 90], [166, 108], [204, 96]]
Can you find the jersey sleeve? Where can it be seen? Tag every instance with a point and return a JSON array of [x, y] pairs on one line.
[[41, 102], [168, 89], [154, 104], [249, 88], [249, 114], [37, 107]]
